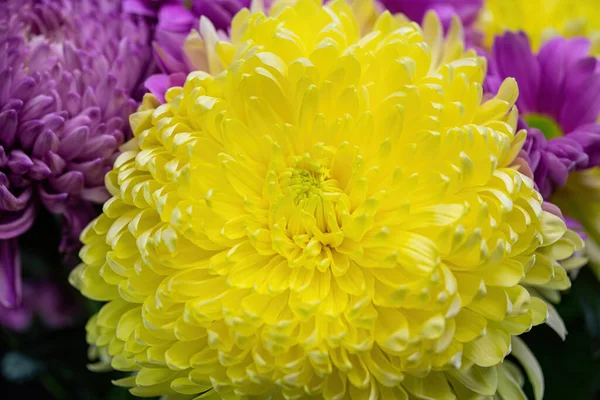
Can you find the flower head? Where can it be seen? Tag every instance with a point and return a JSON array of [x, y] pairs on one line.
[[332, 216], [67, 74], [558, 103], [542, 19]]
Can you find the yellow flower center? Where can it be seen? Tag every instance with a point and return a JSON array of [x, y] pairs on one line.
[[308, 183]]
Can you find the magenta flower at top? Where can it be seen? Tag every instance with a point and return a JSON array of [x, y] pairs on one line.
[[68, 71], [175, 19], [466, 10], [558, 103]]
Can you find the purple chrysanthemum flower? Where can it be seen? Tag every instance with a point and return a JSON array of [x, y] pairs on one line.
[[558, 103], [175, 19], [68, 71], [466, 10]]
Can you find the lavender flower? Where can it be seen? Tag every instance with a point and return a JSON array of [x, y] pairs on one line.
[[175, 19], [558, 102], [68, 71]]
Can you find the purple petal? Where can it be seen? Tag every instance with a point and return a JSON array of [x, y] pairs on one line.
[[18, 162], [29, 132], [93, 171], [74, 123], [115, 123], [71, 58], [11, 202], [24, 89], [73, 103], [76, 218], [5, 84], [54, 122], [233, 6], [37, 107], [169, 57], [40, 54], [175, 18], [10, 273], [70, 183], [96, 195], [8, 127], [89, 98], [552, 59], [157, 85], [13, 104], [55, 162], [93, 113], [557, 171], [72, 144], [514, 58], [579, 48], [105, 90], [39, 171], [588, 136], [54, 202], [415, 9], [102, 146], [46, 142], [139, 7], [18, 224], [219, 16], [581, 102]]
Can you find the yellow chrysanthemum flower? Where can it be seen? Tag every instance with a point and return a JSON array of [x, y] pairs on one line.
[[542, 19], [331, 216]]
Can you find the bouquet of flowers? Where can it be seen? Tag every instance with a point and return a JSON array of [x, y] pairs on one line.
[[300, 199]]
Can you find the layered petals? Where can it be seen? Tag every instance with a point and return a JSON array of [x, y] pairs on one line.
[[69, 72], [333, 215]]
